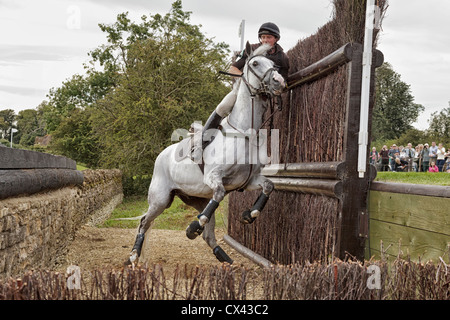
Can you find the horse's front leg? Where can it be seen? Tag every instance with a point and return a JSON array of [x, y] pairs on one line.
[[214, 180], [206, 219], [249, 216]]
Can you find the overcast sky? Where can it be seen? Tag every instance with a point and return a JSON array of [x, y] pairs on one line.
[[44, 42]]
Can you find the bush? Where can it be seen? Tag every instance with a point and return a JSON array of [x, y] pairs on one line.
[[136, 185]]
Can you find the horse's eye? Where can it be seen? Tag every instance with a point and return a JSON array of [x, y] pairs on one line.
[[255, 63]]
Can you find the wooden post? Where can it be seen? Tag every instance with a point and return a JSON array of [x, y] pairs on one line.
[[353, 222]]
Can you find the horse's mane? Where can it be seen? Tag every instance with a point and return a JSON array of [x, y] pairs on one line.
[[261, 50]]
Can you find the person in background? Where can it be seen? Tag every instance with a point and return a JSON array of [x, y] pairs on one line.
[[409, 156], [440, 157], [433, 152], [400, 165], [374, 156], [384, 154], [415, 162], [433, 167], [419, 163], [401, 150], [392, 151], [447, 162], [425, 157]]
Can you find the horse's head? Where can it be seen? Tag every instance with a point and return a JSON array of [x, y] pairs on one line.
[[260, 74]]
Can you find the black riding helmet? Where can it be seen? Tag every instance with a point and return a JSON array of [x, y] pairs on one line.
[[269, 28]]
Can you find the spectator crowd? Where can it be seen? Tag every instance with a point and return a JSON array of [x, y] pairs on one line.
[[422, 158]]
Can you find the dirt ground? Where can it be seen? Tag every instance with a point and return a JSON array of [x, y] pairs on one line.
[[108, 248]]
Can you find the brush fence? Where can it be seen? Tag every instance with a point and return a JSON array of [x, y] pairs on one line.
[[319, 207]]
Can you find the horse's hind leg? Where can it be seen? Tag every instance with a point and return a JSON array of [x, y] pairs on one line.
[[158, 201], [249, 216]]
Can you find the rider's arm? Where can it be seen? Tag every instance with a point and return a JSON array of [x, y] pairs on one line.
[[235, 70]]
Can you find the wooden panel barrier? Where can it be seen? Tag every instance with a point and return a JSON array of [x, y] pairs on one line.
[[412, 224]]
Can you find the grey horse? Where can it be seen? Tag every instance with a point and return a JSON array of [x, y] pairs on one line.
[[230, 162]]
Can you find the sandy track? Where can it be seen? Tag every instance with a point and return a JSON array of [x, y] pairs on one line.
[[107, 248]]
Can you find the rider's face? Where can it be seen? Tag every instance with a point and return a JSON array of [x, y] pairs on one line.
[[269, 39]]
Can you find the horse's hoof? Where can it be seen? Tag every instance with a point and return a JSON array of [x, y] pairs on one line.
[[194, 230], [132, 259], [221, 255], [247, 217]]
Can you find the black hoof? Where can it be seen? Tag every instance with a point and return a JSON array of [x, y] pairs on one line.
[[194, 230], [221, 255], [247, 217]]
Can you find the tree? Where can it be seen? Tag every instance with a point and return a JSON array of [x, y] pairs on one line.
[[439, 124], [394, 110], [74, 139], [80, 91], [168, 79], [7, 119], [30, 125], [67, 115]]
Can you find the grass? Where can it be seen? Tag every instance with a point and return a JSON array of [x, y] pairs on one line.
[[81, 167], [430, 178], [177, 217]]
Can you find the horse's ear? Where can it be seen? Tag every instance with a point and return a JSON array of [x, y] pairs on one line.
[[248, 49]]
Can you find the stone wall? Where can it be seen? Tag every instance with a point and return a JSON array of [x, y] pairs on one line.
[[36, 229]]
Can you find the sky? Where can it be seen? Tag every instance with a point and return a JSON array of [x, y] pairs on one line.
[[45, 42]]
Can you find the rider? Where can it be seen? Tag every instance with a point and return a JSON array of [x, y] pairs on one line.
[[268, 33]]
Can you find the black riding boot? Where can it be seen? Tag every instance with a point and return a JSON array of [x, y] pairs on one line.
[[213, 122]]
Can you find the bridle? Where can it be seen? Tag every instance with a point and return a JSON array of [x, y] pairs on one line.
[[263, 87]]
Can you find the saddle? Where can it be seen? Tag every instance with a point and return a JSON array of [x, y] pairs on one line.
[[192, 146]]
